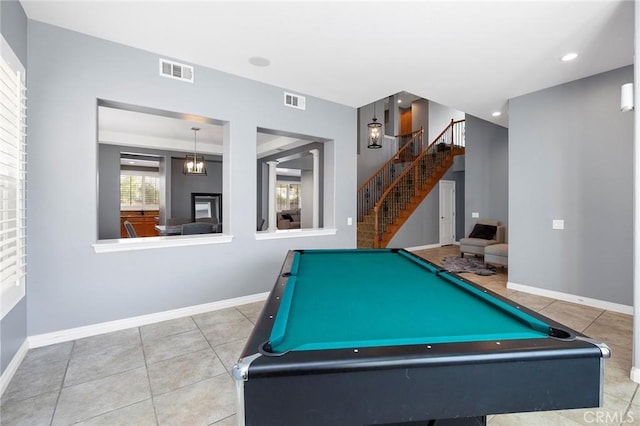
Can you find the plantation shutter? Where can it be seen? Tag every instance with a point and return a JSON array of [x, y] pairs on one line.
[[12, 181]]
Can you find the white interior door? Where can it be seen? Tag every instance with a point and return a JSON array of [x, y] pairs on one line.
[[447, 212]]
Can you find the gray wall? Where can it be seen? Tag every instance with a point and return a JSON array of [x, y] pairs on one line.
[[109, 191], [420, 117], [571, 158], [72, 286], [423, 226], [486, 185], [370, 160], [182, 185], [13, 327], [439, 117]]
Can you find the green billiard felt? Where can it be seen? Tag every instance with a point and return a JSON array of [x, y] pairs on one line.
[[362, 298]]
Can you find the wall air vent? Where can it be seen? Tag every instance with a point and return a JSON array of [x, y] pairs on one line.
[[176, 71], [294, 101]]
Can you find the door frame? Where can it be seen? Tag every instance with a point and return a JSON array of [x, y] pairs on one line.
[[447, 185]]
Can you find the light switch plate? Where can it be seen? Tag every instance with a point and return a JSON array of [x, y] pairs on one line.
[[558, 224], [349, 221], [475, 215]]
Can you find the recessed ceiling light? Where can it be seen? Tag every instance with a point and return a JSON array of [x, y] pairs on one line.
[[399, 101], [259, 61], [496, 114], [132, 162], [569, 57]]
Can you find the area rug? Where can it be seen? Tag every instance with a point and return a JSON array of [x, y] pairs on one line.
[[475, 265]]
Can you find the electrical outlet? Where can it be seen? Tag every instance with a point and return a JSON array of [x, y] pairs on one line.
[[558, 224]]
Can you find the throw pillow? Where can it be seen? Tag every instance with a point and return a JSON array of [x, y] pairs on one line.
[[287, 216], [485, 232]]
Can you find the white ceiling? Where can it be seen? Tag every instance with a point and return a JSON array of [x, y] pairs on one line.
[[470, 55]]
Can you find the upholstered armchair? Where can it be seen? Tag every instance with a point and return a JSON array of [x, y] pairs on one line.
[[289, 219], [484, 233]]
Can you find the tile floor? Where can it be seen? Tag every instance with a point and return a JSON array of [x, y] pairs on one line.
[[178, 372]]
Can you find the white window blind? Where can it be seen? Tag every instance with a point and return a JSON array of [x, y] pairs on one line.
[[13, 177], [139, 190]]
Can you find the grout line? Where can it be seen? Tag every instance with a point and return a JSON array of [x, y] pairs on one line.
[[626, 412], [594, 320], [221, 420], [64, 377], [146, 368], [212, 348]]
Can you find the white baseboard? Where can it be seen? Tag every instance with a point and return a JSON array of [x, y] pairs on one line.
[[46, 339], [581, 300], [11, 369], [635, 374], [429, 246]]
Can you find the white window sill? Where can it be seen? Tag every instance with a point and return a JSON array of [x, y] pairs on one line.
[[128, 244], [295, 233]]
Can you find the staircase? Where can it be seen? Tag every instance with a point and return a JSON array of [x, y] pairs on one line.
[[394, 192]]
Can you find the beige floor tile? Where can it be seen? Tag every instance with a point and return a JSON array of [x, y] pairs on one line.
[[229, 421], [218, 334], [251, 310], [91, 399], [35, 378], [174, 373], [229, 352], [618, 384], [175, 345], [37, 410], [202, 403], [167, 328], [620, 357], [531, 301], [99, 343], [138, 414], [94, 365], [218, 317], [612, 336], [577, 317]]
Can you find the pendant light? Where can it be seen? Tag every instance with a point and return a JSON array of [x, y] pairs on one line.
[[375, 131], [194, 164]]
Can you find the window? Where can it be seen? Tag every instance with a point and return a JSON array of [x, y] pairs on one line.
[[12, 180], [287, 196], [294, 177], [139, 190], [141, 154]]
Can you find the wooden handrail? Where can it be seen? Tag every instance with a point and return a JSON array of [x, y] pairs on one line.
[[412, 168], [408, 134], [392, 159], [386, 174]]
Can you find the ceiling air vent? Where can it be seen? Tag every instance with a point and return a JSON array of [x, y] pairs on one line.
[[175, 70], [294, 101]]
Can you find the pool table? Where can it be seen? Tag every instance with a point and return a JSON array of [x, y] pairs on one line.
[[361, 337]]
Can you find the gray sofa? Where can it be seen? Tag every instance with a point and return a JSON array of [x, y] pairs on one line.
[[475, 245], [289, 219]]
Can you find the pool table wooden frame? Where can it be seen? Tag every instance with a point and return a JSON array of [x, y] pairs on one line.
[[463, 382]]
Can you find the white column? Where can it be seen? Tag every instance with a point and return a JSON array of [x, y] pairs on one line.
[[635, 362], [316, 187], [272, 195]]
